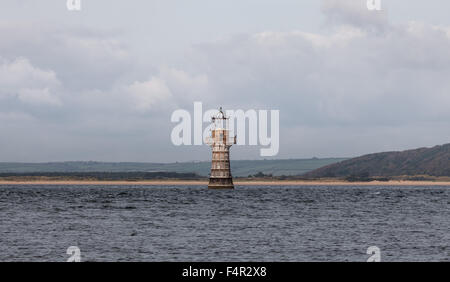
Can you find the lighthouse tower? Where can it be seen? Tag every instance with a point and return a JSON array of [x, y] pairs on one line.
[[220, 143]]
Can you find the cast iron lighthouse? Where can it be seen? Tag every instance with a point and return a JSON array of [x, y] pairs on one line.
[[220, 143]]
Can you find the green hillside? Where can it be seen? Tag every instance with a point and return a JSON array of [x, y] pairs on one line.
[[433, 161]]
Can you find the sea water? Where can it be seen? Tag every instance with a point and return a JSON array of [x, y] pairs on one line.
[[251, 223]]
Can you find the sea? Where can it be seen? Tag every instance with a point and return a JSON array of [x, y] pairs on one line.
[[249, 223]]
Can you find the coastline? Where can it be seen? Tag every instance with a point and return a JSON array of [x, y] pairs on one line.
[[236, 183]]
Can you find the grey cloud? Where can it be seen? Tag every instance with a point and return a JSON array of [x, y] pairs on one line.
[[341, 92], [349, 76], [355, 13], [27, 88], [82, 58]]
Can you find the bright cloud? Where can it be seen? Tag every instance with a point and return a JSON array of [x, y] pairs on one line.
[[22, 81], [146, 95]]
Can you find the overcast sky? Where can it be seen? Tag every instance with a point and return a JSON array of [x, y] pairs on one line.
[[101, 84]]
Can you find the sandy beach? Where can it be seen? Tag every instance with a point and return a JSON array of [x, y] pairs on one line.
[[237, 183]]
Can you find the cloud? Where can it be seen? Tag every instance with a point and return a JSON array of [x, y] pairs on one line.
[[83, 58], [38, 96], [22, 82], [164, 91], [186, 87], [354, 13], [348, 76], [362, 80], [148, 94]]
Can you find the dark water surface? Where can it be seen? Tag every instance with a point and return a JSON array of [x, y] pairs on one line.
[[179, 223]]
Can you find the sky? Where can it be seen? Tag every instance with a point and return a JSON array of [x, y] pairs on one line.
[[101, 84]]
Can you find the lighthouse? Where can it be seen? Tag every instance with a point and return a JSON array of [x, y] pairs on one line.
[[220, 143]]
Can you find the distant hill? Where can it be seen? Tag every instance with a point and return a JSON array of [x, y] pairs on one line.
[[241, 168], [433, 161], [126, 176]]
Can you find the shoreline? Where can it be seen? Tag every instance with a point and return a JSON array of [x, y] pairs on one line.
[[236, 183]]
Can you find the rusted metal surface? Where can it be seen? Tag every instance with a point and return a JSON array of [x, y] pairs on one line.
[[220, 143]]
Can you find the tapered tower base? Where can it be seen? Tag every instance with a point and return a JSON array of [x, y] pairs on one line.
[[220, 183]]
